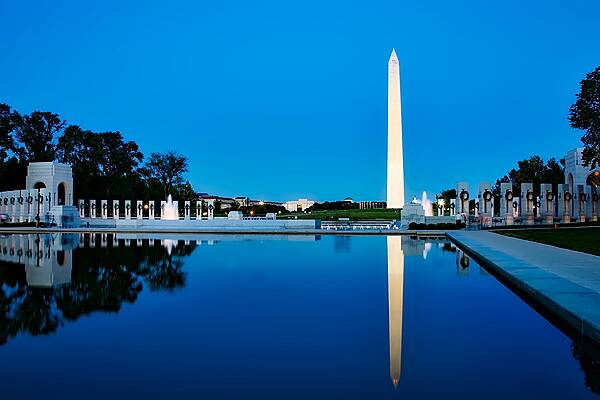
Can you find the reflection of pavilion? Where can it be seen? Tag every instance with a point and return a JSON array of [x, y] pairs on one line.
[[395, 294], [48, 259]]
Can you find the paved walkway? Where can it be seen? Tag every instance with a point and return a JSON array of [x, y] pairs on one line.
[[566, 282]]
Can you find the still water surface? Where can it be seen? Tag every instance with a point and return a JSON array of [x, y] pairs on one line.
[[271, 317]]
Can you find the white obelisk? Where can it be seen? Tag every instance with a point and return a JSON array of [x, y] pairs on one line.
[[395, 162]]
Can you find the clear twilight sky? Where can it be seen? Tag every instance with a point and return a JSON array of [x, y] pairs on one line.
[[279, 100]]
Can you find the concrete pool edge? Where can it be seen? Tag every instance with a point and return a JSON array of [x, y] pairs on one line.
[[232, 231], [576, 307]]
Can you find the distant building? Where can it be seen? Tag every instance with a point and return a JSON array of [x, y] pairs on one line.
[[364, 205], [348, 200], [242, 201], [298, 205]]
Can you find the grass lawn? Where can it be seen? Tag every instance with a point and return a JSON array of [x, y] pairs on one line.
[[586, 240], [354, 214]]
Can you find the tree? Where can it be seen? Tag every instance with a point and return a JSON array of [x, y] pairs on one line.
[[585, 114], [102, 162], [167, 168], [533, 170], [35, 135], [7, 125]]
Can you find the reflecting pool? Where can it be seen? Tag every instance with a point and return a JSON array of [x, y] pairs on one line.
[[272, 317]]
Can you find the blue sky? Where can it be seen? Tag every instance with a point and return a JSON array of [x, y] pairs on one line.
[[280, 100]]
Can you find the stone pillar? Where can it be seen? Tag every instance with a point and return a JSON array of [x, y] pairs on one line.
[[506, 203], [187, 209], [486, 203], [199, 210], [559, 204], [104, 209], [176, 207], [567, 204], [588, 202], [81, 208], [452, 207], [116, 209], [22, 205], [92, 208], [462, 198], [581, 203], [211, 209], [151, 209], [30, 207], [595, 197], [547, 203], [527, 202], [139, 209], [127, 209], [162, 209], [440, 208]]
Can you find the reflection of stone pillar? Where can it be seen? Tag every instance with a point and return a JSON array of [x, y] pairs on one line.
[[139, 208], [547, 202], [527, 199], [104, 209], [127, 209], [186, 210], [395, 300], [92, 208]]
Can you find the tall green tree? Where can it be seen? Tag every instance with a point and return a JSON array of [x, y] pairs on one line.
[[533, 170], [168, 169], [35, 134], [104, 164], [7, 125], [585, 114]]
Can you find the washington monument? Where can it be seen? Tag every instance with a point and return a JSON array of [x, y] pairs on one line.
[[395, 161]]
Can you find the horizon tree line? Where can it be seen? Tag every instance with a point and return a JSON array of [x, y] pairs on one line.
[[105, 164]]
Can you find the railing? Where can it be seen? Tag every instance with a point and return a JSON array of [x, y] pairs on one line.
[[357, 225]]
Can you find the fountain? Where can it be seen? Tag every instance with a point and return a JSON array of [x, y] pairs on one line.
[[170, 212], [427, 205]]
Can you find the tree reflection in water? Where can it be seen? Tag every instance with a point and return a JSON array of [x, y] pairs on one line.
[[37, 295]]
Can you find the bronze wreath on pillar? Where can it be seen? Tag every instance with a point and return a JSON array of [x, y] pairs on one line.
[[568, 196], [529, 196], [487, 195], [508, 196], [549, 196], [595, 197], [464, 195], [515, 205]]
